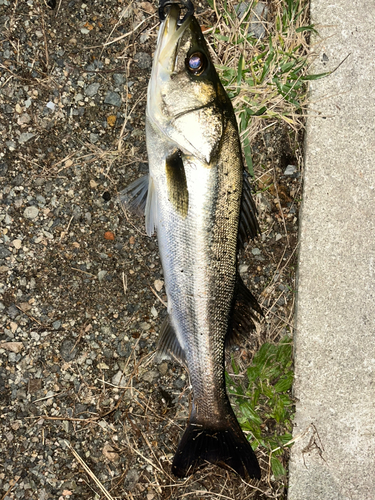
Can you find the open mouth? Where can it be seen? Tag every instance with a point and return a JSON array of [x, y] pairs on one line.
[[173, 27], [186, 9]]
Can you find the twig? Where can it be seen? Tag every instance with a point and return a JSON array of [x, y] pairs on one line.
[[89, 472], [156, 295], [11, 487], [45, 41], [125, 35], [48, 397], [124, 282], [29, 316], [84, 272]]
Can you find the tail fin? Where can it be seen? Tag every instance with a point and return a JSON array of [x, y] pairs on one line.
[[228, 448]]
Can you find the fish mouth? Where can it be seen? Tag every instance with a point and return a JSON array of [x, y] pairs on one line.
[[171, 30]]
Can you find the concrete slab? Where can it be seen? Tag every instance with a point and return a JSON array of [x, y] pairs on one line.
[[334, 457]]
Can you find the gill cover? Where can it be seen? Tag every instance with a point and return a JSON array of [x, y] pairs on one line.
[[185, 101]]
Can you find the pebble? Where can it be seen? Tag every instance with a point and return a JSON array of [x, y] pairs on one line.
[[113, 98], [25, 136], [92, 89], [150, 375], [3, 169], [290, 170], [31, 212], [101, 275], [4, 252], [163, 368], [119, 79], [119, 379], [255, 251], [258, 17], [67, 350], [17, 244], [131, 479], [158, 284], [143, 60], [23, 119]]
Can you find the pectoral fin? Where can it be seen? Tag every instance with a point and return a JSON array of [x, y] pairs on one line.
[[133, 197], [178, 193], [140, 198]]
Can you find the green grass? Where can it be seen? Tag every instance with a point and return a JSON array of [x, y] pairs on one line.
[[264, 404], [265, 78]]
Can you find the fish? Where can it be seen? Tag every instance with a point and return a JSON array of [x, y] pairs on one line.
[[197, 196]]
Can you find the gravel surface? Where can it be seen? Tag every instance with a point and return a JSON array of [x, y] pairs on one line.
[[81, 286]]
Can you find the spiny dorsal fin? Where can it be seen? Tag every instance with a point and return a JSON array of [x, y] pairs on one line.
[[249, 227], [245, 311], [178, 193], [168, 344]]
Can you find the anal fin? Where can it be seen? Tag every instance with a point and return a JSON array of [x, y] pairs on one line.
[[168, 343], [246, 312]]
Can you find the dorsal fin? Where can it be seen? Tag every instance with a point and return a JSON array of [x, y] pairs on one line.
[[248, 227]]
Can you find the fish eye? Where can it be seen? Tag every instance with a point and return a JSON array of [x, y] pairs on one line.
[[196, 63]]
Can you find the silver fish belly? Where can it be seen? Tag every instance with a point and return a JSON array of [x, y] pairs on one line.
[[198, 199]]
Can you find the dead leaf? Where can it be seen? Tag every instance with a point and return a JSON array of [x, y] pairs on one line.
[[147, 7], [110, 453], [24, 306], [266, 181]]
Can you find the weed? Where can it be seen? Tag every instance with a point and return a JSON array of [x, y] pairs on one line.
[[264, 75], [265, 406]]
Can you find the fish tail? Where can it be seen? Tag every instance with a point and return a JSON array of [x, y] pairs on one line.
[[226, 447]]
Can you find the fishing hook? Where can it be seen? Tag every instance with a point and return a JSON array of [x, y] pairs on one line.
[[188, 4]]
